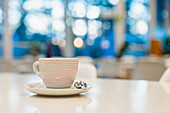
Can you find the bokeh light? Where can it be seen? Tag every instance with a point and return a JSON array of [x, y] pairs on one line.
[[58, 12], [131, 21], [93, 12], [14, 4], [54, 41], [61, 43], [89, 42], [80, 27], [142, 27], [142, 1], [94, 27], [49, 4], [38, 23], [114, 2], [133, 29], [165, 14], [58, 25], [61, 35], [48, 18], [33, 5], [77, 9], [14, 17], [139, 11], [106, 25], [78, 42], [105, 44]]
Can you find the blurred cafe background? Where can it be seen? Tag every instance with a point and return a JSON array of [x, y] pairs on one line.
[[124, 39]]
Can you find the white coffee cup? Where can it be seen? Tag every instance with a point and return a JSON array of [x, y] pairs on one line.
[[57, 72]]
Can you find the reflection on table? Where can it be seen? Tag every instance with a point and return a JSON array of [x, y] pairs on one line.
[[107, 96]]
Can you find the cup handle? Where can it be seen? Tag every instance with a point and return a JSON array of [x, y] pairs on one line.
[[35, 68]]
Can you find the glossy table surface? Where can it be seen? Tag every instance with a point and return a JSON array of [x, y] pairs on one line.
[[107, 96]]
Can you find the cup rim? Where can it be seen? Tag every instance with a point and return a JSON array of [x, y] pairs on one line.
[[58, 58]]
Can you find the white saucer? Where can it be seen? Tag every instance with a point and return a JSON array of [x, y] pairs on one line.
[[41, 89]]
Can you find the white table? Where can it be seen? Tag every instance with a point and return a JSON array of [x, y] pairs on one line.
[[107, 96]]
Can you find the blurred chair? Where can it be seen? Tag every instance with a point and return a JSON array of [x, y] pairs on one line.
[[24, 65], [166, 76], [152, 58], [128, 64], [165, 56], [148, 70], [87, 72], [85, 59], [109, 68], [167, 62], [128, 61], [7, 66]]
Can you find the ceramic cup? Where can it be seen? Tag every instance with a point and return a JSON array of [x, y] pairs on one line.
[[57, 72]]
